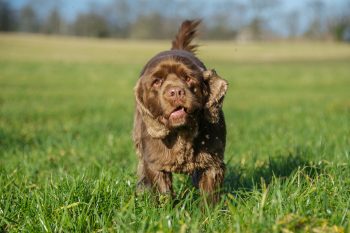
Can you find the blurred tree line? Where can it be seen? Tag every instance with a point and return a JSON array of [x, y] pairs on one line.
[[157, 19]]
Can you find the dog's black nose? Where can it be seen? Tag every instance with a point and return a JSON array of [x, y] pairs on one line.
[[175, 93]]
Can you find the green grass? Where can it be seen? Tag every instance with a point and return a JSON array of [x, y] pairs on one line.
[[67, 162]]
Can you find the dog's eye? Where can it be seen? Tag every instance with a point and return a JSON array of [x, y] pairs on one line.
[[157, 82], [187, 79]]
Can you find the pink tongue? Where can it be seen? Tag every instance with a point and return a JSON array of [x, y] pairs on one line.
[[178, 113]]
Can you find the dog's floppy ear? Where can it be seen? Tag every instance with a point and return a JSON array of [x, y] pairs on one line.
[[154, 127], [217, 90]]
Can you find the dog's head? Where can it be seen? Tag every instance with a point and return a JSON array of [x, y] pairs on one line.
[[174, 88]]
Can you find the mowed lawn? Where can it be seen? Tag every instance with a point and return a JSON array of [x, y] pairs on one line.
[[67, 162]]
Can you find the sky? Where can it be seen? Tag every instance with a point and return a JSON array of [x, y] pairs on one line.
[[70, 8]]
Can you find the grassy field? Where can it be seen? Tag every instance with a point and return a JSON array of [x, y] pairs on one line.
[[67, 162]]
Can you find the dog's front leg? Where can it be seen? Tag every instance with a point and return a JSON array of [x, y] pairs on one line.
[[209, 181], [160, 181]]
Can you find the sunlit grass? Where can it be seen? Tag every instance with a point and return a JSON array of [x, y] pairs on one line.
[[82, 50], [67, 161]]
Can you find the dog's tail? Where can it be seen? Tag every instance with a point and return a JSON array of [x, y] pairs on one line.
[[187, 32]]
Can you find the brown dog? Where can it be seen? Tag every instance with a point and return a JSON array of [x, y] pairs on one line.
[[179, 124]]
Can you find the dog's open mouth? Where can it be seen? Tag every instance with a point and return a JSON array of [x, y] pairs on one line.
[[178, 113]]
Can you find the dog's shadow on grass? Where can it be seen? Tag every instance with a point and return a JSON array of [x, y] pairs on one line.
[[253, 174], [246, 177]]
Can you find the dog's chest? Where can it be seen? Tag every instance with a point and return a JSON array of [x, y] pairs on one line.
[[180, 157]]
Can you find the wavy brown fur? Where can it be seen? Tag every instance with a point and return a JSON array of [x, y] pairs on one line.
[[185, 35], [193, 142]]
